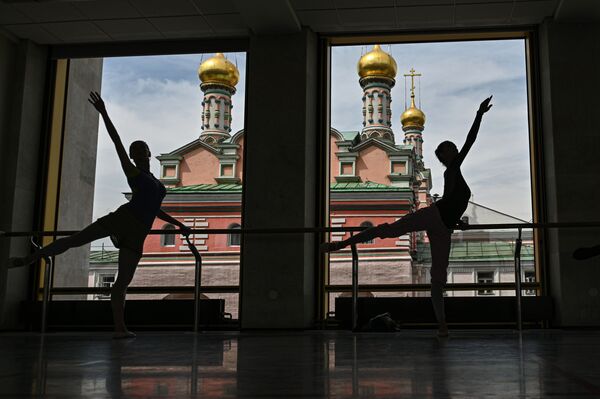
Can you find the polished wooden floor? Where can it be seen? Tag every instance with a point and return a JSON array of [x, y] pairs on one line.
[[469, 364]]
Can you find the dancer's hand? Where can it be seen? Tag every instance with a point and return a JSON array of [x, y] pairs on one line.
[[97, 101], [485, 105], [331, 246], [462, 225], [186, 231]]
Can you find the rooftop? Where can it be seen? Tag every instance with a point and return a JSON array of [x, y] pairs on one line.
[[468, 251], [480, 251], [237, 188]]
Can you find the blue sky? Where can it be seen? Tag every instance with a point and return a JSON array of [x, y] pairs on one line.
[[158, 99]]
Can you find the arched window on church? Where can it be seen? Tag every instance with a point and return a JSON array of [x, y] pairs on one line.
[[367, 224], [234, 239], [168, 240]]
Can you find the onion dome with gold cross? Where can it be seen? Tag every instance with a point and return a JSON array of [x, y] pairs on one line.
[[377, 63], [219, 70], [413, 117]]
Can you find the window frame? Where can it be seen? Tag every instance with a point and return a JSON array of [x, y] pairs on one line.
[[485, 291], [163, 237], [530, 38], [59, 57], [230, 236]]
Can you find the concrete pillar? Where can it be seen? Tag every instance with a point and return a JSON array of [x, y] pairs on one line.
[[569, 65], [78, 170], [278, 281], [23, 67]]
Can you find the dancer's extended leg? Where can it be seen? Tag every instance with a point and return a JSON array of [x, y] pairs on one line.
[[440, 252], [128, 261], [92, 232], [416, 221]]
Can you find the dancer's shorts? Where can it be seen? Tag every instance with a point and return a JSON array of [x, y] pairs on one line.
[[126, 230]]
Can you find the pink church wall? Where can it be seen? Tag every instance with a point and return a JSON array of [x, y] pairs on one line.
[[373, 165], [335, 165], [239, 166], [355, 218], [215, 242], [199, 166]]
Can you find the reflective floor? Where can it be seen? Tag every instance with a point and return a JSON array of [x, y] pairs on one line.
[[470, 364]]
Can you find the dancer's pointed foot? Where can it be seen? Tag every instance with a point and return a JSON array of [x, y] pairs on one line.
[[123, 334], [585, 253], [331, 246]]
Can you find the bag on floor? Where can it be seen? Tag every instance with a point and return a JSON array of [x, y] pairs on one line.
[[382, 323]]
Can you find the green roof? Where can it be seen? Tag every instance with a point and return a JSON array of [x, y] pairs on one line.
[[213, 188], [480, 251], [367, 186], [237, 188], [104, 256], [349, 134]]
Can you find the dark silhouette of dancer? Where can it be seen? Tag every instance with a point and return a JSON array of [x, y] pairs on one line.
[[584, 253], [127, 227], [438, 220]]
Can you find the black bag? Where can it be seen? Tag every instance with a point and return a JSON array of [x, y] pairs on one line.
[[382, 323]]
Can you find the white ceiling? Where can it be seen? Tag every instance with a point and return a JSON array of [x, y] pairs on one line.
[[86, 21]]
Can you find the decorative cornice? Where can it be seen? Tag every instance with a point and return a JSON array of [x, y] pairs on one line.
[[217, 88], [227, 180], [377, 81], [347, 179]]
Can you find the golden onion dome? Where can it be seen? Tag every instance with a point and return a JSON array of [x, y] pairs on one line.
[[218, 69], [377, 63], [413, 116]]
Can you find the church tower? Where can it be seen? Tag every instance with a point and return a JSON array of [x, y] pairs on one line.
[[413, 120], [377, 71], [218, 78]]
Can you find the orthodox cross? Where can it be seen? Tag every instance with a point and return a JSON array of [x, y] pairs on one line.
[[412, 75]]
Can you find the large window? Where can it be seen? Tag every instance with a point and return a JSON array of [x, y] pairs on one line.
[[189, 109], [391, 105]]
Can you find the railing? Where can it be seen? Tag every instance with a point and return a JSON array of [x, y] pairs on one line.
[[518, 285]]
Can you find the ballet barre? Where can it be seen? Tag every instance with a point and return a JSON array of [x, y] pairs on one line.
[[518, 285]]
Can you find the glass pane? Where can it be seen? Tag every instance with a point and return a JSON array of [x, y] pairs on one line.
[[436, 90], [189, 110]]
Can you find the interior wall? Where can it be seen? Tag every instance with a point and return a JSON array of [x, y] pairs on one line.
[[23, 68], [569, 65], [278, 289]]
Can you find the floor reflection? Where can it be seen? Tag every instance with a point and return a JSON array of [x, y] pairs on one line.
[[471, 364]]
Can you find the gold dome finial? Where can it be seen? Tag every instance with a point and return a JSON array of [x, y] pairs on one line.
[[218, 69], [412, 117], [377, 63]]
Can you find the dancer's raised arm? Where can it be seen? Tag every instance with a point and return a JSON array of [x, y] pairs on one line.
[[128, 166], [472, 135]]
